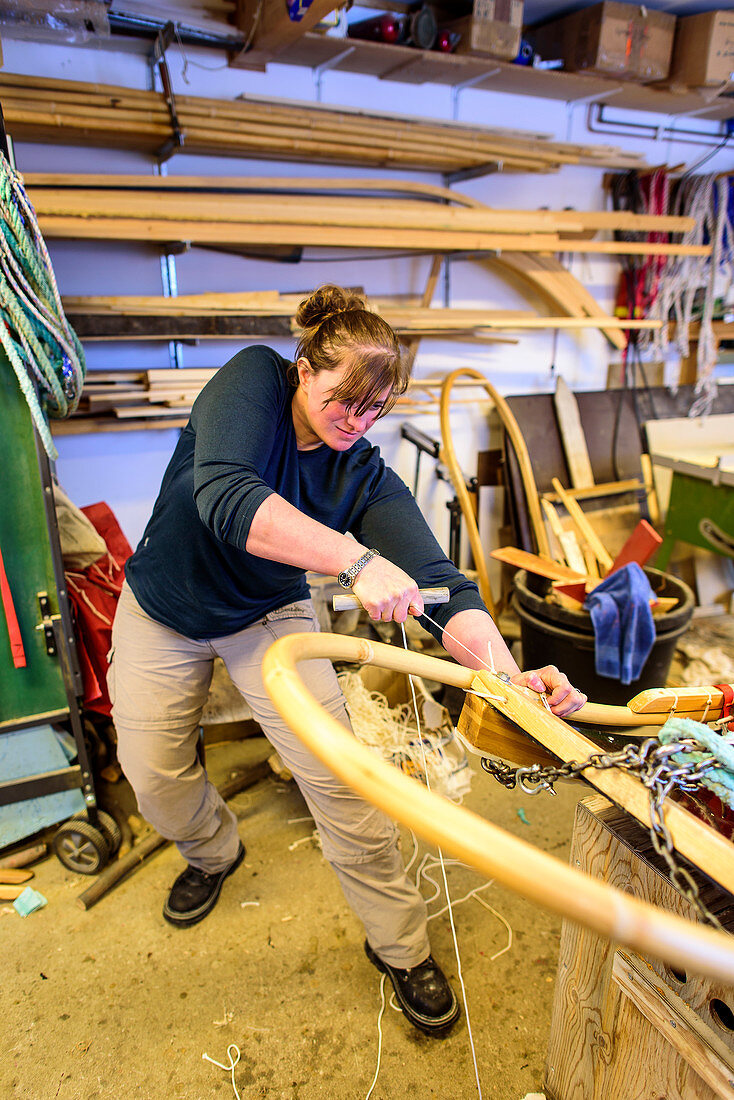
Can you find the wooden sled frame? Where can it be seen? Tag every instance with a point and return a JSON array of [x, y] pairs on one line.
[[533, 874]]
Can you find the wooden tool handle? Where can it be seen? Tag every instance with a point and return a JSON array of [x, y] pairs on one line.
[[11, 876], [10, 893], [430, 596]]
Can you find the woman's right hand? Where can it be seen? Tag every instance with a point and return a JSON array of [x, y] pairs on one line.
[[386, 592]]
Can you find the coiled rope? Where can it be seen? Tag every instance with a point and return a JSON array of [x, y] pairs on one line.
[[43, 349]]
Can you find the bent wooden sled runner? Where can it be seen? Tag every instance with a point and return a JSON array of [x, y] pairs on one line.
[[534, 874]]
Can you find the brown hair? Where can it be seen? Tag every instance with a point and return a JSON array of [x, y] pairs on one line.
[[338, 328]]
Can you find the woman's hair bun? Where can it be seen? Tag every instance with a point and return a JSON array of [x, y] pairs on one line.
[[325, 301]]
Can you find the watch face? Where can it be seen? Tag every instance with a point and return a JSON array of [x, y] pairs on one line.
[[345, 580]]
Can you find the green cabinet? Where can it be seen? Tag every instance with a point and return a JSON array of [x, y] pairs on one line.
[[39, 688]]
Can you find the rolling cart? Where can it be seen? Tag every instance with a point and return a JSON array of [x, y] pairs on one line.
[[45, 769], [40, 680]]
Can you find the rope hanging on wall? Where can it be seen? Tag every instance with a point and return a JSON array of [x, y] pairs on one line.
[[43, 349], [678, 288], [688, 280]]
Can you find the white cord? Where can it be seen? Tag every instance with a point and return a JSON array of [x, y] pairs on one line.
[[446, 886], [453, 639], [379, 1036], [423, 874], [231, 1067]]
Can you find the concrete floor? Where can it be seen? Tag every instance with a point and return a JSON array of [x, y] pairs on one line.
[[114, 1002]]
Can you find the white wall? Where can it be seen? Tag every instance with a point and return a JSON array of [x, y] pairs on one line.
[[125, 468]]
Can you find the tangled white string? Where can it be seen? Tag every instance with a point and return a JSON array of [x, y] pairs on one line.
[[448, 898], [391, 732]]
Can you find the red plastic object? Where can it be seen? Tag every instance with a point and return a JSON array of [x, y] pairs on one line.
[[16, 641], [381, 28], [640, 547]]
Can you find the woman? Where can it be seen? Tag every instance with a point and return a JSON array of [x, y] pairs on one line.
[[272, 477]]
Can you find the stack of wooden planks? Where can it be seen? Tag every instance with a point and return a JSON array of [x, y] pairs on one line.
[[578, 554], [120, 400], [268, 313], [125, 400], [77, 113], [238, 215]]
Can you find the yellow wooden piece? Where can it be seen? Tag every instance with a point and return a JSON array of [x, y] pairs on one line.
[[708, 849], [583, 526], [488, 731], [671, 701], [512, 428], [514, 863]]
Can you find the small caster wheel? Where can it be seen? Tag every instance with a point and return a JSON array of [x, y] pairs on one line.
[[110, 830], [81, 847]]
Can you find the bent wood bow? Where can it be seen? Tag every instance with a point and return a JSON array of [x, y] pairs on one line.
[[534, 874]]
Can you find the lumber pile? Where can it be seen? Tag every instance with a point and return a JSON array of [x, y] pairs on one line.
[[124, 400], [76, 113], [578, 543], [245, 219], [268, 313]]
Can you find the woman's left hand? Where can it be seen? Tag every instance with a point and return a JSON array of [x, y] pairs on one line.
[[563, 698]]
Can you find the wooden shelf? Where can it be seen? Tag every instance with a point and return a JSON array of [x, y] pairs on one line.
[[410, 66]]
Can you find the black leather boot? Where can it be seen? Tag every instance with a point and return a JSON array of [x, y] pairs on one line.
[[195, 892], [423, 993]]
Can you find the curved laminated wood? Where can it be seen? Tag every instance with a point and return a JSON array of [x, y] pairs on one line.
[[558, 286], [535, 875], [512, 428]]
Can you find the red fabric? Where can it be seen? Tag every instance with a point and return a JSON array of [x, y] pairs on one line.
[[727, 691], [93, 593]]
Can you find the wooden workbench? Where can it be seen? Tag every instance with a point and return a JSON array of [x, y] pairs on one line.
[[627, 1027]]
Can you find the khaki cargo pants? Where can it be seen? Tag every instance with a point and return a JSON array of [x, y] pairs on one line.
[[159, 682]]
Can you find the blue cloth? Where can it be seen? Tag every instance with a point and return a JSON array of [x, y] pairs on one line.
[[27, 902], [624, 629]]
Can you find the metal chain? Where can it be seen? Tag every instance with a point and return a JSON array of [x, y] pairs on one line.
[[651, 763]]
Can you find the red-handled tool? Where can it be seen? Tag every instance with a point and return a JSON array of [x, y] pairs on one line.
[[16, 642]]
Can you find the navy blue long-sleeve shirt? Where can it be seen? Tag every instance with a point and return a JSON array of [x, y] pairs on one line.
[[192, 572]]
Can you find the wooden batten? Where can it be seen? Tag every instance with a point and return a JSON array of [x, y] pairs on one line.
[[39, 108]]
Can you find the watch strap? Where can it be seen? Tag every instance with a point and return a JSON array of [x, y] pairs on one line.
[[348, 576]]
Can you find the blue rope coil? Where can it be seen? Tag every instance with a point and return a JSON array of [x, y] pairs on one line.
[[710, 745]]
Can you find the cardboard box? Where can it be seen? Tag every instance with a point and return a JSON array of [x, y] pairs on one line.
[[493, 29], [703, 52], [627, 41]]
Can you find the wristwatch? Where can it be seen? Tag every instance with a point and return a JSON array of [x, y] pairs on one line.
[[348, 576]]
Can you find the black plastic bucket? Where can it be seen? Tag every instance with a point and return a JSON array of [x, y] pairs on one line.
[[555, 635]]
